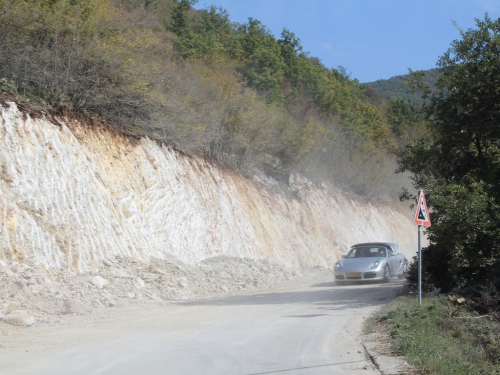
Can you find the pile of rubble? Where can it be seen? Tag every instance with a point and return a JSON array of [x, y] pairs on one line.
[[28, 295]]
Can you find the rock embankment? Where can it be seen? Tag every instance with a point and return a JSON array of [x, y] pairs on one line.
[[28, 295], [92, 219], [75, 194]]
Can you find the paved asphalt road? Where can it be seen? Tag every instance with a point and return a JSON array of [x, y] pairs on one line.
[[308, 328]]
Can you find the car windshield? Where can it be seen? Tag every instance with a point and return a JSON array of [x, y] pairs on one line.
[[367, 252]]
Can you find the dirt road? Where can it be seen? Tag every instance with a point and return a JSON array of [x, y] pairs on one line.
[[312, 327]]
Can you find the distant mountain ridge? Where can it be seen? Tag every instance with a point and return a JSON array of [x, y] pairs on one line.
[[396, 87]]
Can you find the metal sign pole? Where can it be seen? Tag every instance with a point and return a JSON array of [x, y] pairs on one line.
[[422, 217], [419, 265]]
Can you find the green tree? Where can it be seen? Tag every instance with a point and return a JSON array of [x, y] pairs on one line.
[[401, 115], [262, 64], [406, 120], [459, 167], [180, 17], [290, 49], [210, 34]]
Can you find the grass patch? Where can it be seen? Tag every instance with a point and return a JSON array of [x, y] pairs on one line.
[[437, 343]]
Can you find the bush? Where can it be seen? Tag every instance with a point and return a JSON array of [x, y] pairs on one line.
[[458, 165]]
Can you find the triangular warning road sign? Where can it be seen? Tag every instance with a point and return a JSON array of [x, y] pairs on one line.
[[422, 216]]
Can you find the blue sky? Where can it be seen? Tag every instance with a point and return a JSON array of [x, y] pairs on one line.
[[372, 39]]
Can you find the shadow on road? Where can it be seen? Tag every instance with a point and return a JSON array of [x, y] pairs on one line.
[[332, 284], [329, 298], [324, 285]]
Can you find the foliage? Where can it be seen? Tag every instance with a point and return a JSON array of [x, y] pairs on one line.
[[406, 121], [263, 64], [458, 166], [401, 115], [180, 16], [202, 83], [396, 87], [210, 35], [280, 70], [465, 236], [6, 85], [438, 343], [83, 54]]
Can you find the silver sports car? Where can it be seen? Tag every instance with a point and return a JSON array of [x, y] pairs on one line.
[[373, 261]]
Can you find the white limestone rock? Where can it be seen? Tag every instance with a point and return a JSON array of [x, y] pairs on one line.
[[74, 306], [99, 282], [139, 283], [21, 318]]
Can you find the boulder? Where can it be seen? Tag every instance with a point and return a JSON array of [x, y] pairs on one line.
[[99, 282], [74, 306], [225, 275], [10, 306], [36, 288], [45, 281], [21, 318], [139, 283], [118, 272]]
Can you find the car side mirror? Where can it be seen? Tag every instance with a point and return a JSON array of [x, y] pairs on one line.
[[392, 254], [344, 256]]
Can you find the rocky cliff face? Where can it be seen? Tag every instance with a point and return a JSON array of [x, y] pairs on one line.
[[91, 219], [74, 194]]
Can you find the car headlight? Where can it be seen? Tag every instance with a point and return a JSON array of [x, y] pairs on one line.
[[375, 264], [338, 266]]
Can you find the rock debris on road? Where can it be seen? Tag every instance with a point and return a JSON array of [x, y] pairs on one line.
[[304, 326]]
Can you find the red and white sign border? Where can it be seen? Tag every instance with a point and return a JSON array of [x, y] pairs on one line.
[[421, 202]]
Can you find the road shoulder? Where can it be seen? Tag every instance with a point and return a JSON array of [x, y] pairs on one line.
[[379, 348]]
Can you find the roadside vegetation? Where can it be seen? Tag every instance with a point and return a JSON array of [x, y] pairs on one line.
[[206, 86], [442, 336], [457, 163]]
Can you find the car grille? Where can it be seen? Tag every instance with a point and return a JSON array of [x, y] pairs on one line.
[[339, 276], [370, 275]]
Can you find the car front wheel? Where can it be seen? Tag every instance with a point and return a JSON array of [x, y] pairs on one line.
[[387, 274]]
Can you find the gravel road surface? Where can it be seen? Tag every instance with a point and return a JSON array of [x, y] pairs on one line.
[[310, 327]]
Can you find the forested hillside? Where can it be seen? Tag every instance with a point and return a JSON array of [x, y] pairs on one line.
[[205, 85], [396, 87]]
